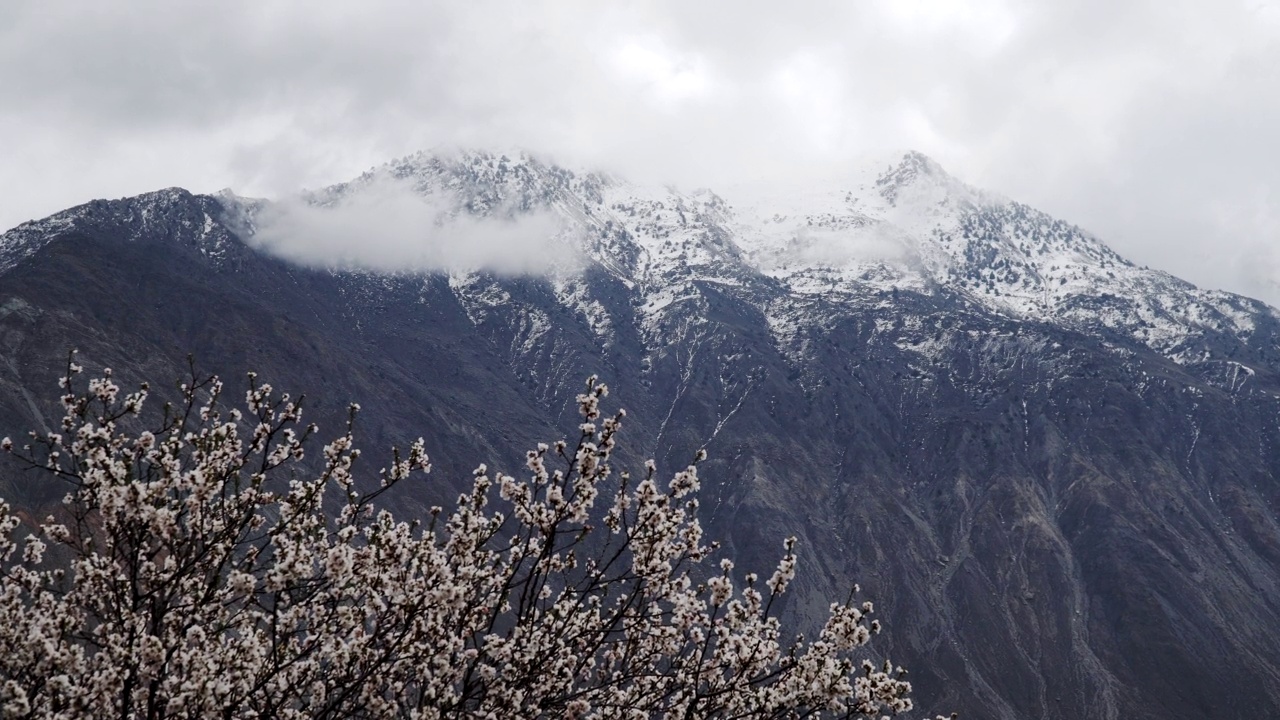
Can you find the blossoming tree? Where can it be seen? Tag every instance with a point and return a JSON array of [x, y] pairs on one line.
[[207, 567]]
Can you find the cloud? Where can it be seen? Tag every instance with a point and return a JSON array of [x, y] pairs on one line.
[[873, 243], [387, 226], [1149, 123]]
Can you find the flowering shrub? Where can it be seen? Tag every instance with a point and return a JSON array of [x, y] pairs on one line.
[[200, 575]]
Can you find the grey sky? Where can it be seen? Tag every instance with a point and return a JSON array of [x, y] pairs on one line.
[[1153, 124]]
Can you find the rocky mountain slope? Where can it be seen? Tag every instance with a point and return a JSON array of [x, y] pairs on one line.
[[1054, 471]]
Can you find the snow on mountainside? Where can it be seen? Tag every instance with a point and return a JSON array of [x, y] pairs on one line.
[[913, 226], [136, 217], [891, 226]]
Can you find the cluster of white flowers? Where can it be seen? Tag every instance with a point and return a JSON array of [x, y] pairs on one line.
[[201, 576]]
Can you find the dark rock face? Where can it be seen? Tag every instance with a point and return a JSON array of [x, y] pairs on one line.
[[1055, 474]]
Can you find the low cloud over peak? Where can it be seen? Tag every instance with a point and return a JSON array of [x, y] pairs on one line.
[[386, 225]]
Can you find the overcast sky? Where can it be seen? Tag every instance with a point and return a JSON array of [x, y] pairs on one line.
[[1155, 125]]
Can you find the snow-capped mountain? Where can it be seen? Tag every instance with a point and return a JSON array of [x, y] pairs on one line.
[[1056, 473], [900, 225], [914, 226]]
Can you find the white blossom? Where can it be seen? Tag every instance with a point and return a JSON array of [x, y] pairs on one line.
[[206, 579]]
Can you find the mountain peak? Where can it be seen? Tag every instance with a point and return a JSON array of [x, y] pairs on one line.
[[912, 165], [171, 214]]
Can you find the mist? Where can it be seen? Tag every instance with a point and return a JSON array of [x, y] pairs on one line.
[[874, 243], [388, 227]]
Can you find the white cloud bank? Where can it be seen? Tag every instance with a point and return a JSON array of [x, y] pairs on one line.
[[386, 226]]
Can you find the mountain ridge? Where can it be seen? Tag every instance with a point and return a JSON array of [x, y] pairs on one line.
[[953, 250], [953, 245]]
